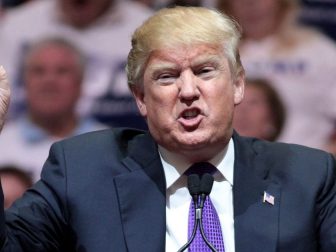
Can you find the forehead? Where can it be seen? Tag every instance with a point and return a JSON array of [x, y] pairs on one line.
[[50, 49], [52, 53], [184, 56]]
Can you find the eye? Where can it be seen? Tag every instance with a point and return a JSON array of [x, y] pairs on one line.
[[63, 71], [207, 71], [166, 78], [36, 70]]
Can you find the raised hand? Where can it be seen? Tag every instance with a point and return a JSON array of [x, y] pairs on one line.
[[4, 96]]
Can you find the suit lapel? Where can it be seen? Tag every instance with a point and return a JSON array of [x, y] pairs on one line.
[[142, 197], [255, 221], [144, 222]]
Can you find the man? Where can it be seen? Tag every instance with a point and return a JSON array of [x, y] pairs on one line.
[[261, 114], [53, 73], [100, 28], [125, 190]]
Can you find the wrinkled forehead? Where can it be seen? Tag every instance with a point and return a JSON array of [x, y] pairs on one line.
[[187, 55], [173, 39]]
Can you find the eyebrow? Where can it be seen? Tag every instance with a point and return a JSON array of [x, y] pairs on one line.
[[203, 59], [168, 65], [163, 65]]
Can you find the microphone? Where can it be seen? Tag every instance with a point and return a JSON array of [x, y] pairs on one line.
[[199, 188], [205, 186], [194, 190], [205, 189], [194, 187]]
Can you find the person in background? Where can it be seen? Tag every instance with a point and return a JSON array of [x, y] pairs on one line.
[[100, 29], [12, 3], [7, 4], [319, 14], [261, 114], [277, 48], [331, 144], [14, 182], [158, 4], [126, 189], [53, 75]]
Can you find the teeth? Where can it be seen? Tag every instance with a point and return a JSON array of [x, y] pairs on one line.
[[190, 113]]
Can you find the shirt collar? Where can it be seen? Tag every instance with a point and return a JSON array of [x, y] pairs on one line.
[[174, 165]]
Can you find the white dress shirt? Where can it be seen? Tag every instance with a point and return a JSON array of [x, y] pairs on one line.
[[178, 197]]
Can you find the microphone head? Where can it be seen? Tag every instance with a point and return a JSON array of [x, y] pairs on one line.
[[194, 184], [206, 183]]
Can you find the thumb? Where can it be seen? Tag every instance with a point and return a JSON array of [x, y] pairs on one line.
[[4, 84], [4, 95]]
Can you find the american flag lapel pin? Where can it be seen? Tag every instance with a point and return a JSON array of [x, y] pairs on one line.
[[268, 198]]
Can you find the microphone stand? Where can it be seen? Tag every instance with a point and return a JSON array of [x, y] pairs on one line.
[[198, 216], [194, 190], [198, 189], [212, 248]]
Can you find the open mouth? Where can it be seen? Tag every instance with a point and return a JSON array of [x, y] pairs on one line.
[[190, 114], [190, 119]]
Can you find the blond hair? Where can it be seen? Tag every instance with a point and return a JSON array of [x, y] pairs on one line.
[[183, 26]]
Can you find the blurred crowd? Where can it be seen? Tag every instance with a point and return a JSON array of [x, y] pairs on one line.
[[66, 64]]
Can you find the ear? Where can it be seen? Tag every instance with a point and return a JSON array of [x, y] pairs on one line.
[[139, 96], [239, 87]]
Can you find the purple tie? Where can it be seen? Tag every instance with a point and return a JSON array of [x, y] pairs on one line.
[[210, 220]]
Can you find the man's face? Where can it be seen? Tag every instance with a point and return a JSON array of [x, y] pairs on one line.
[[53, 80], [253, 117], [82, 13], [188, 99], [257, 17]]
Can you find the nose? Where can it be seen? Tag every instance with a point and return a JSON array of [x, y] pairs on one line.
[[51, 76], [188, 88]]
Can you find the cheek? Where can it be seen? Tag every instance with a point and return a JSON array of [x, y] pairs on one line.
[[161, 100], [222, 100], [259, 109], [70, 100]]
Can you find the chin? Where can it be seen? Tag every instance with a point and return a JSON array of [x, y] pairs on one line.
[[194, 141]]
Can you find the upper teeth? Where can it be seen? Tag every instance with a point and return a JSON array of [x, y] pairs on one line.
[[190, 113]]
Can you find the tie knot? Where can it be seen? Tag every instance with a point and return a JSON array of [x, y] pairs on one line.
[[201, 168]]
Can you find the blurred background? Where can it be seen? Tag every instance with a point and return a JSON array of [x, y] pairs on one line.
[[66, 63]]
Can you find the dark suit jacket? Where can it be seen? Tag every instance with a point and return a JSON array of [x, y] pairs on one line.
[[105, 191]]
